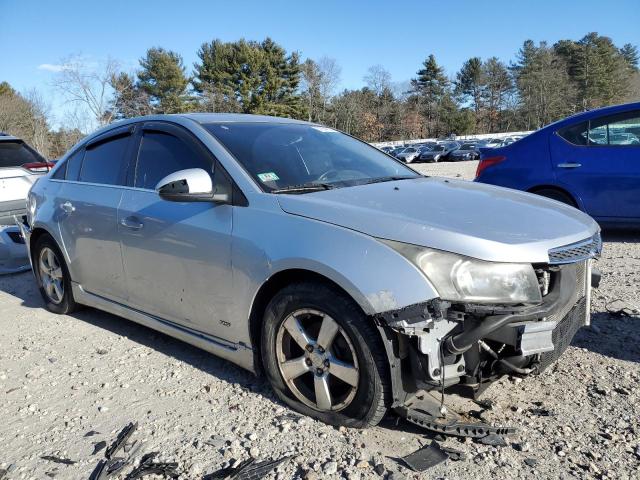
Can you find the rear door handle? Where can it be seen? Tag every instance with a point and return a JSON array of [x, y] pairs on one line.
[[67, 207], [132, 222], [569, 165]]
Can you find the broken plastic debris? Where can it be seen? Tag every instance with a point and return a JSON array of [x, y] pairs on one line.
[[148, 466], [246, 470], [119, 442], [493, 440], [453, 454], [53, 458], [98, 446], [425, 458]]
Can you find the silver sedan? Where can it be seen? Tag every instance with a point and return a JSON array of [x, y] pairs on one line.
[[290, 248]]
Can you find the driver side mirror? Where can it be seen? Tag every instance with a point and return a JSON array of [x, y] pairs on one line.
[[190, 185]]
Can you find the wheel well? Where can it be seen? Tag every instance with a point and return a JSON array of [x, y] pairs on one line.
[[35, 235], [272, 286], [561, 190]]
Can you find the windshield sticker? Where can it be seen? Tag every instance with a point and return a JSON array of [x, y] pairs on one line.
[[268, 177], [325, 129]]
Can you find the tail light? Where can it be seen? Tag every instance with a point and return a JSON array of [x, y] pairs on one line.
[[488, 162], [38, 167]]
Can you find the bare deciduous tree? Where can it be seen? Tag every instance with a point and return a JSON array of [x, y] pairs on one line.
[[378, 79], [87, 85], [26, 116]]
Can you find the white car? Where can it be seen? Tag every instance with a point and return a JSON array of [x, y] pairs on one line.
[[20, 167]]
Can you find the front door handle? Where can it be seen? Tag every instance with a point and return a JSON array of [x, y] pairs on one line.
[[569, 165], [67, 207], [132, 222]]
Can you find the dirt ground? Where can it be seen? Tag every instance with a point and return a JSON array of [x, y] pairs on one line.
[[62, 377]]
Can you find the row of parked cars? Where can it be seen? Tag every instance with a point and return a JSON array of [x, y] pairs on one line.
[[447, 150]]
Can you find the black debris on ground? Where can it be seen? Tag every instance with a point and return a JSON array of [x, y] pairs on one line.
[[119, 442], [53, 458], [425, 458]]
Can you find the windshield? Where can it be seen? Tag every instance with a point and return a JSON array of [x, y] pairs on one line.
[[16, 153], [438, 148], [468, 146], [284, 155]]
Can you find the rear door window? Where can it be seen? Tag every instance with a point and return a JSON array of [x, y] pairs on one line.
[[575, 134], [161, 154], [105, 162], [16, 154]]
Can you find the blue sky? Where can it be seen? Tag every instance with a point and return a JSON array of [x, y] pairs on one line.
[[358, 34]]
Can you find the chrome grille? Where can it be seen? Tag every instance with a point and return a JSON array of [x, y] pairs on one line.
[[575, 252]]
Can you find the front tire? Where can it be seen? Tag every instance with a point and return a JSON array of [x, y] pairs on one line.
[[324, 357], [52, 276]]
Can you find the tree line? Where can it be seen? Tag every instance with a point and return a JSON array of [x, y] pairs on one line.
[[543, 83]]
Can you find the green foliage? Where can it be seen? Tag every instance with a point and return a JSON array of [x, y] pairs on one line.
[[163, 78], [599, 71], [545, 90], [6, 89], [248, 76]]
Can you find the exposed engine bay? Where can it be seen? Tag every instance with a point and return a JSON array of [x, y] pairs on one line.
[[462, 348]]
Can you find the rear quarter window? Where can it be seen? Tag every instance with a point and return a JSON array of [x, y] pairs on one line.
[[575, 134]]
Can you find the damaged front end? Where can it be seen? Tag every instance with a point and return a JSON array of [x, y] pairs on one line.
[[457, 347]]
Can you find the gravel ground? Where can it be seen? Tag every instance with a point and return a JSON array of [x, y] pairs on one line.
[[64, 376]]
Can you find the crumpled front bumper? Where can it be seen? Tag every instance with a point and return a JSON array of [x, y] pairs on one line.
[[14, 257]]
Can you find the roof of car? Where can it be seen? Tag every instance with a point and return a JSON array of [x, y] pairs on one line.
[[237, 117], [5, 137]]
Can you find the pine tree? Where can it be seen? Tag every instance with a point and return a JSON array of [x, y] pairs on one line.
[[470, 84], [598, 69], [163, 78], [630, 54], [430, 87], [545, 91], [497, 85], [247, 76]]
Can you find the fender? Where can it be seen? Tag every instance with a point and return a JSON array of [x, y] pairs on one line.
[[292, 242]]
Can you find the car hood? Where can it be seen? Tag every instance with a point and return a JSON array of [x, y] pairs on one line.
[[477, 220]]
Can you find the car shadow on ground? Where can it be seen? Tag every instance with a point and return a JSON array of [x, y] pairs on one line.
[[23, 287], [611, 335]]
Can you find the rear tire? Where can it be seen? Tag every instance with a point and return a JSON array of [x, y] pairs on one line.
[[52, 276], [354, 367], [556, 195]]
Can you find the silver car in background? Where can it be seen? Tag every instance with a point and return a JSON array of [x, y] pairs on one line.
[[290, 248]]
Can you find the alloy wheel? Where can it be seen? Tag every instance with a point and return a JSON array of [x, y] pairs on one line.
[[51, 275], [317, 360]]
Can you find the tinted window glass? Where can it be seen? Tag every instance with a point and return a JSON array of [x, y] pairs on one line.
[[14, 154], [575, 134], [103, 163], [620, 129], [161, 154], [74, 163], [61, 172], [281, 155]]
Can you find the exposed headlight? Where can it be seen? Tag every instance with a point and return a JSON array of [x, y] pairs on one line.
[[436, 157], [460, 278]]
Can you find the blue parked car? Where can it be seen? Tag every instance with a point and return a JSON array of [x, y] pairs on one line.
[[590, 160]]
